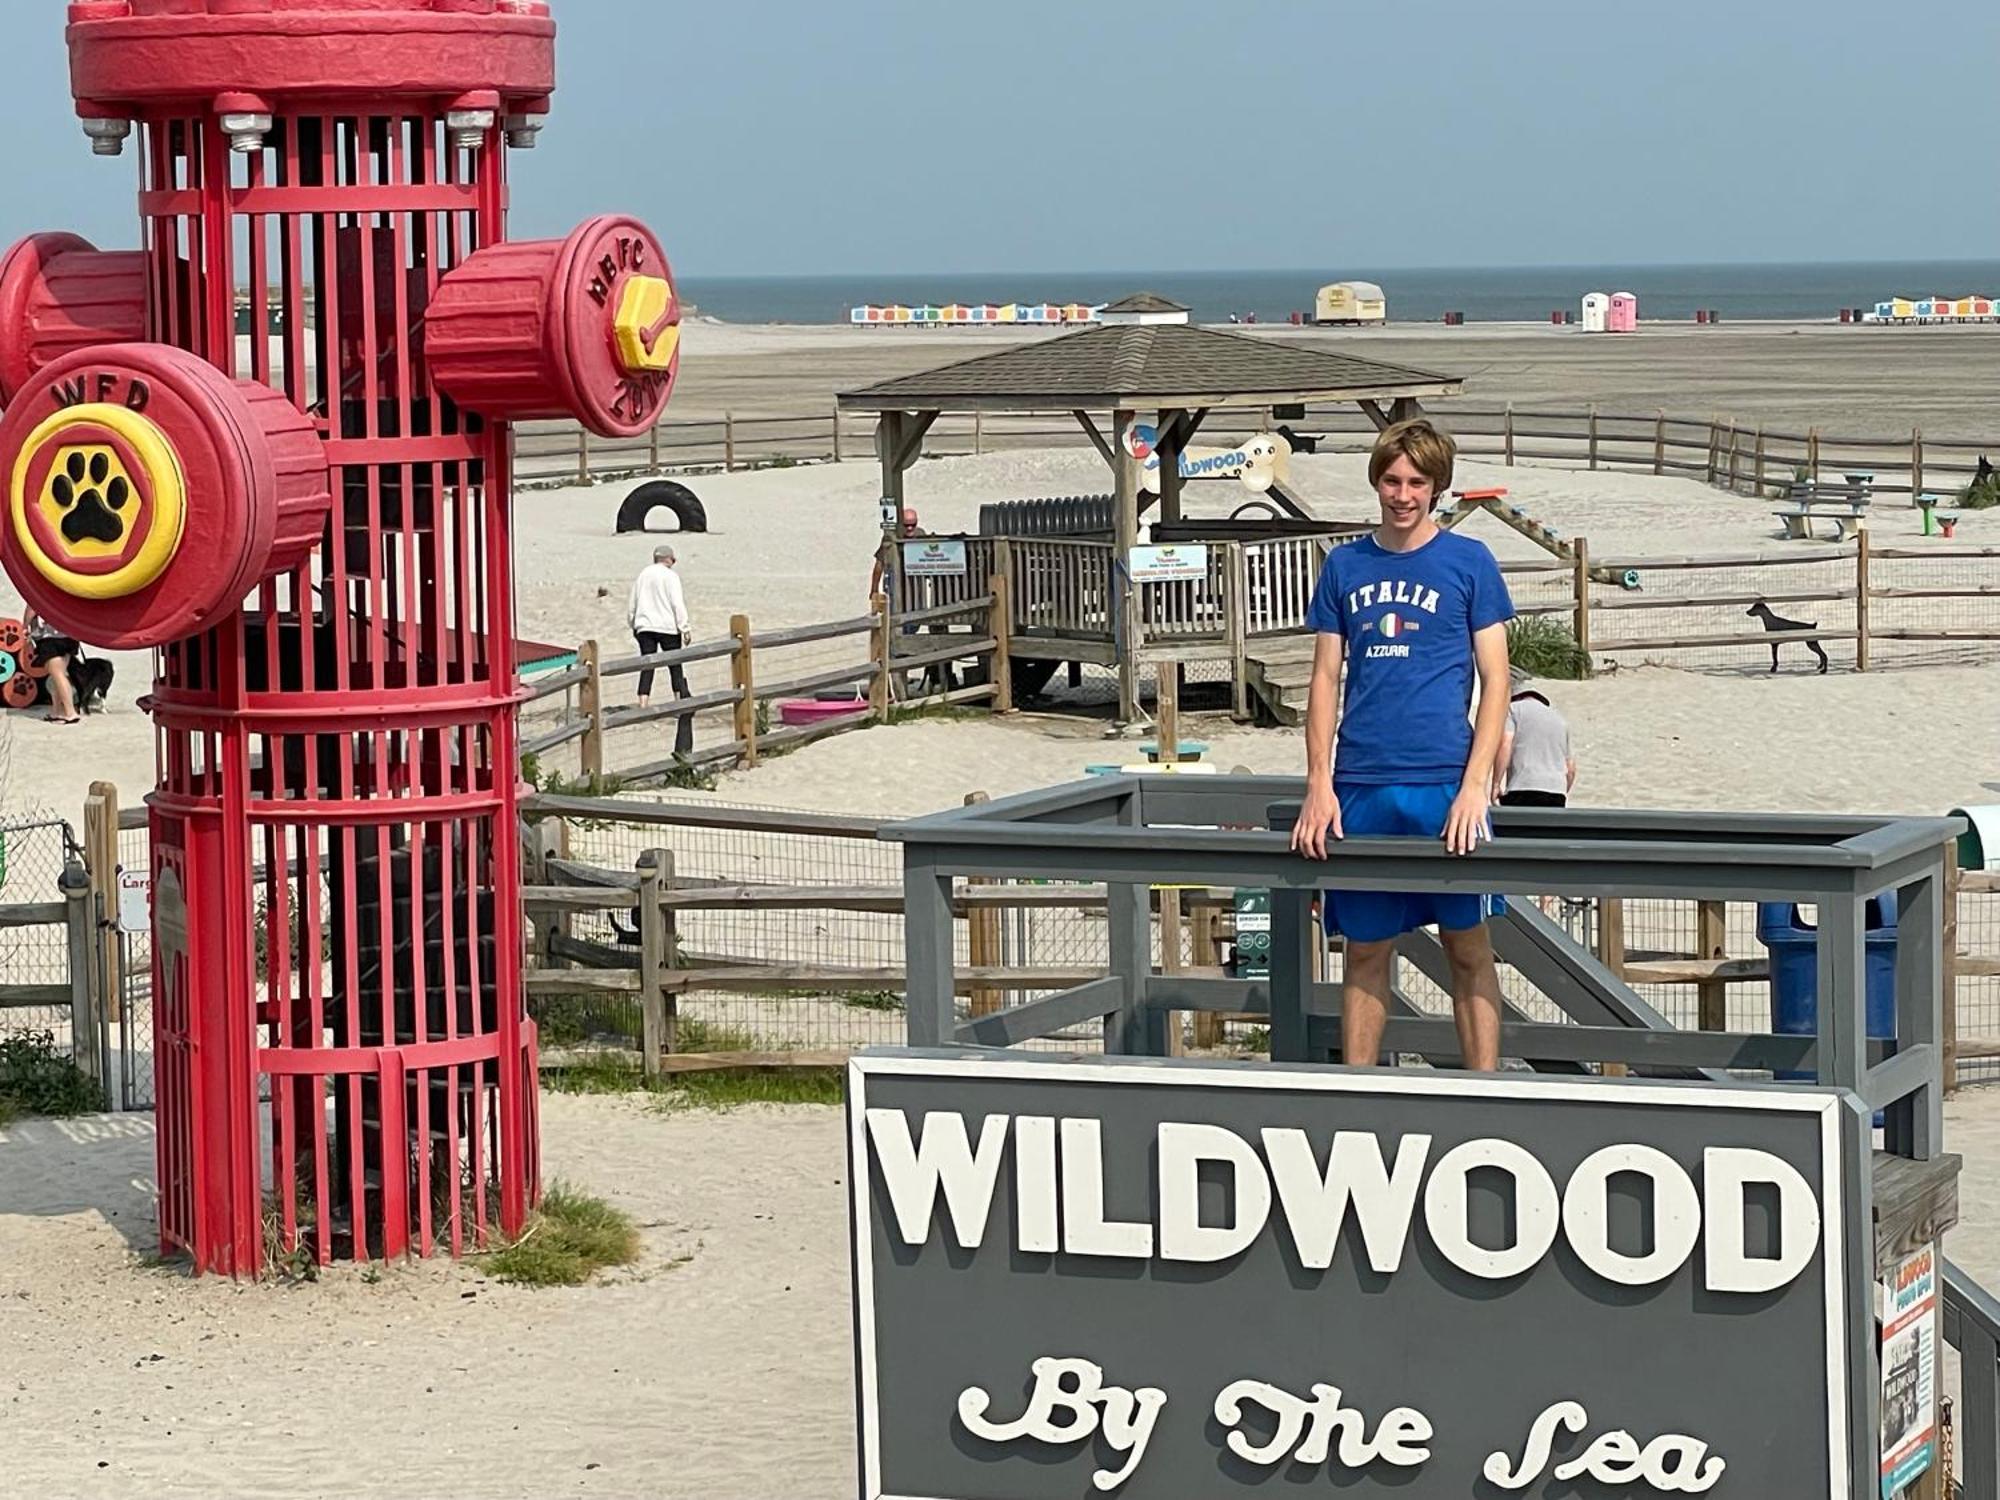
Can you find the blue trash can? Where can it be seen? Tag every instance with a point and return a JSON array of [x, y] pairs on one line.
[[1794, 950]]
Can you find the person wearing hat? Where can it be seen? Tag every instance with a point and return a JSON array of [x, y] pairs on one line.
[[907, 528], [1535, 767]]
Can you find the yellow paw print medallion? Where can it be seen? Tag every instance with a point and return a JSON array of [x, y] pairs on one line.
[[97, 500]]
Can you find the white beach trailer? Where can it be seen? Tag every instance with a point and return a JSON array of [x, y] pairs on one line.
[[1350, 302], [1596, 311]]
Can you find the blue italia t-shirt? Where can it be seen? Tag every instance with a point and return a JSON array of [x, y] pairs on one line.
[[1407, 619]]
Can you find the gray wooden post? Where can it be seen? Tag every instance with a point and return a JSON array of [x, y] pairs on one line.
[[1235, 626], [652, 962], [929, 976], [1915, 1126], [1125, 536], [1169, 451], [1291, 974], [1132, 1030], [79, 920], [1843, 999]]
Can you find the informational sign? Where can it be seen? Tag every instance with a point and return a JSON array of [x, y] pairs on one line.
[[1171, 1280], [1179, 563], [135, 900], [1909, 1371], [934, 558], [1253, 933], [1255, 462]]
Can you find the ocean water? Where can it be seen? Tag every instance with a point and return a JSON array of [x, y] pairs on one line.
[[1520, 294]]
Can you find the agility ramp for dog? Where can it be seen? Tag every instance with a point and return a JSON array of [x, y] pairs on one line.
[[1494, 502]]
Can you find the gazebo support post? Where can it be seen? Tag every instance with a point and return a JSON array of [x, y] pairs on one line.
[[1400, 410], [1173, 435], [899, 438], [1096, 438], [1125, 535]]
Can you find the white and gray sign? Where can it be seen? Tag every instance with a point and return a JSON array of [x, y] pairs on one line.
[[1163, 1281]]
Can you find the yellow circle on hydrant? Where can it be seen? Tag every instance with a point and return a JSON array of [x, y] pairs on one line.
[[97, 500]]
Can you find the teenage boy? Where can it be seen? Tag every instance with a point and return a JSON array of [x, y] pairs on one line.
[[1413, 612]]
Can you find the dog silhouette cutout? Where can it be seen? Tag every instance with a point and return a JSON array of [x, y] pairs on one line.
[[1776, 622]]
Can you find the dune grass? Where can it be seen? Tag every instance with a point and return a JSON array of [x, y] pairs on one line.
[[567, 1241], [1543, 646]]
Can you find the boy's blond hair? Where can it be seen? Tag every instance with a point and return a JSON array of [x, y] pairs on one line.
[[1423, 445]]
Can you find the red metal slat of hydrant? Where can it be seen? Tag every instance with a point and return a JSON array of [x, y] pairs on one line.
[[315, 1032]]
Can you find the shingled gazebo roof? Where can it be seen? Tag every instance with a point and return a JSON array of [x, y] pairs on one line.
[[1145, 302], [1135, 367]]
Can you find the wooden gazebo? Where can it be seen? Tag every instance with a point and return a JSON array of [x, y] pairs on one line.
[[1178, 373]]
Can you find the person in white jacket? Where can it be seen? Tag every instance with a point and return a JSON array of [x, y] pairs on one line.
[[657, 613]]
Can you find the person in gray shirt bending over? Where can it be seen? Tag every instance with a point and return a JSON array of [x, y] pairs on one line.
[[1535, 767]]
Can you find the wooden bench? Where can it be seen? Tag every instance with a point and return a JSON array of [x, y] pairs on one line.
[[1846, 508]]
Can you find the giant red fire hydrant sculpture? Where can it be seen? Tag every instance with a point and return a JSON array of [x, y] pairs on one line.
[[273, 444]]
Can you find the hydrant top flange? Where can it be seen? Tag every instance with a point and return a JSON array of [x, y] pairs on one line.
[[146, 55]]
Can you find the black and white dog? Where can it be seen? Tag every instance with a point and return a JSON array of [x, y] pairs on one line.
[[1776, 622], [90, 679]]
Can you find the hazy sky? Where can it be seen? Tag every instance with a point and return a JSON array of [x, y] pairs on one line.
[[794, 136]]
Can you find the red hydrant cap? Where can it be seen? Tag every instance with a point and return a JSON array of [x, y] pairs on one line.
[[146, 493]]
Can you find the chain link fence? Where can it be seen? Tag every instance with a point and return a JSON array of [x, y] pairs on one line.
[[33, 854]]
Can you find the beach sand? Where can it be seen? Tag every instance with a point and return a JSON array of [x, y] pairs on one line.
[[718, 1368], [794, 546]]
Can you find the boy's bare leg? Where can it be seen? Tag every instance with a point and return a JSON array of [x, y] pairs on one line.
[[1364, 1001], [1475, 996]]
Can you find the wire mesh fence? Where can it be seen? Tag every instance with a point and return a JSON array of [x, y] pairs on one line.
[[1069, 939], [1656, 933], [132, 1008], [715, 1020], [33, 853]]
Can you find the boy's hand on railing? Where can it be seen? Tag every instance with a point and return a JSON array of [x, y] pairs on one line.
[[1318, 816], [1465, 825]]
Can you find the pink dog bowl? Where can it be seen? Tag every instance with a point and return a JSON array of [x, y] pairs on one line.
[[817, 711]]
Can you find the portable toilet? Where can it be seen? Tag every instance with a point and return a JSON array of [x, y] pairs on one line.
[[1623, 314], [1596, 312]]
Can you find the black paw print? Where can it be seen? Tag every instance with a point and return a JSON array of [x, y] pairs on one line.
[[91, 506]]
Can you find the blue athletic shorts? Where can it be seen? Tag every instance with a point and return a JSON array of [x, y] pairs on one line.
[[1399, 812]]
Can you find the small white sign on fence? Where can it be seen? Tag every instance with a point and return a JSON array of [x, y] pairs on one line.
[[135, 900], [934, 558], [1169, 564]]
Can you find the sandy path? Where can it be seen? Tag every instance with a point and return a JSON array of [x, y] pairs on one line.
[[1901, 742], [718, 1367]]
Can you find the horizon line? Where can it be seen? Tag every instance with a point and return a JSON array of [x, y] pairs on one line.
[[1675, 265]]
